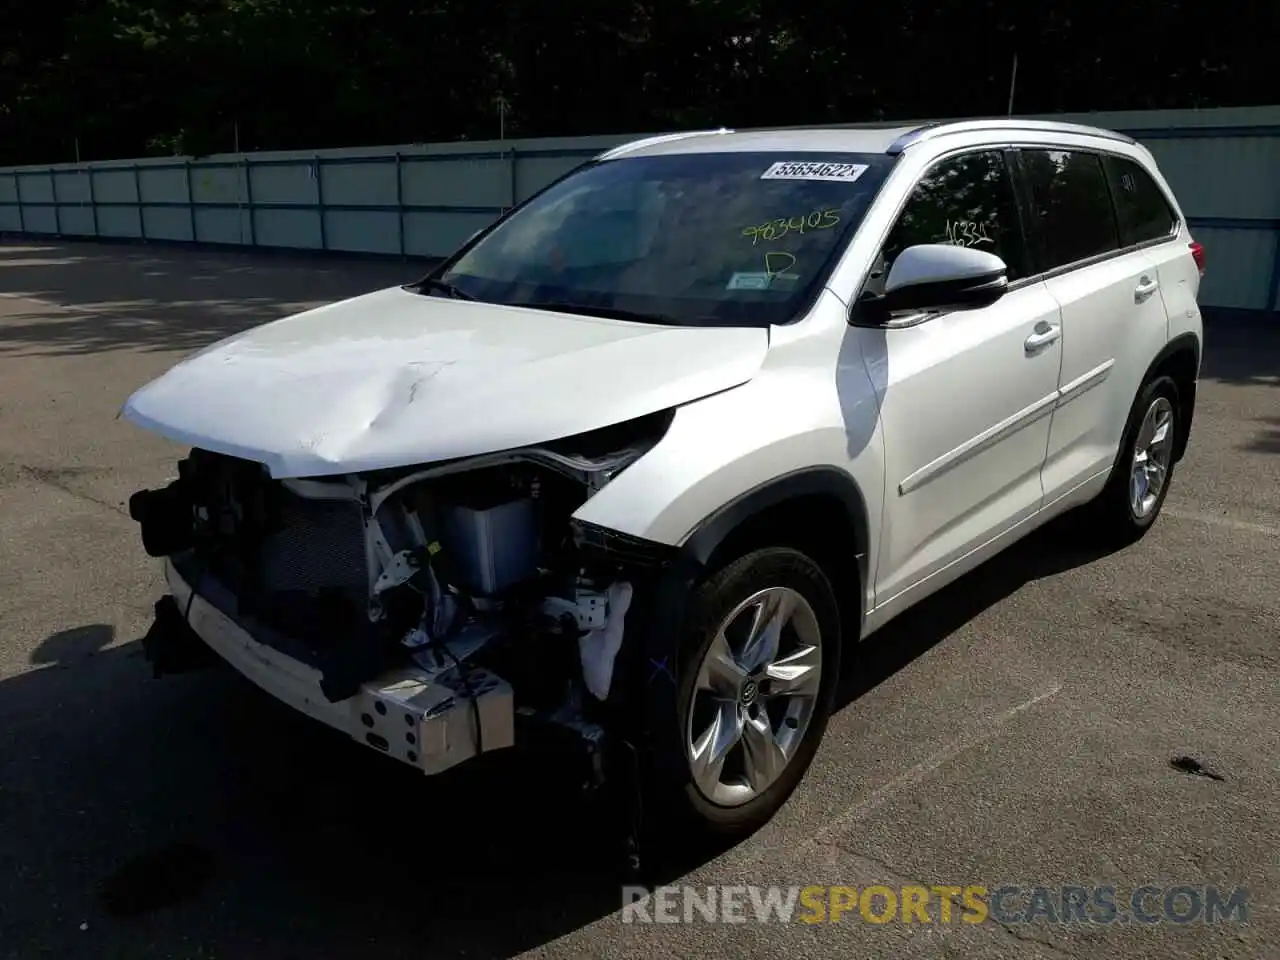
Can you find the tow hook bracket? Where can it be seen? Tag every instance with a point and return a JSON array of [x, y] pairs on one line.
[[171, 646]]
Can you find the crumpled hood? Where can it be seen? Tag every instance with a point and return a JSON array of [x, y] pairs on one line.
[[394, 378]]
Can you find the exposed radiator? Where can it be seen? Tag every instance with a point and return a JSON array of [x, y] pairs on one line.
[[320, 546]]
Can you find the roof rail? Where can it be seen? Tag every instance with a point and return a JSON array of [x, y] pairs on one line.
[[871, 125], [930, 131], [626, 148]]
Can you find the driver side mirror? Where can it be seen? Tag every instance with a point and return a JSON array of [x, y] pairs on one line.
[[942, 276]]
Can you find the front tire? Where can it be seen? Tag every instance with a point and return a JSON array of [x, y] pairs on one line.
[[1140, 479], [755, 677]]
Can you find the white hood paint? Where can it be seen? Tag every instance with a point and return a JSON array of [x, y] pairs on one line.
[[395, 378]]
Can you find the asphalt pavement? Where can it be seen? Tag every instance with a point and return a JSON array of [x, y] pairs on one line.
[[1019, 728]]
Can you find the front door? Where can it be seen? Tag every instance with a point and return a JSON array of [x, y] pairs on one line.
[[965, 397]]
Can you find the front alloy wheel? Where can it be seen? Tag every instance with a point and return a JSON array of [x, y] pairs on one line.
[[757, 687], [755, 667]]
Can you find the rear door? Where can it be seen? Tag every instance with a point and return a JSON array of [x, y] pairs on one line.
[[1113, 318], [1148, 219]]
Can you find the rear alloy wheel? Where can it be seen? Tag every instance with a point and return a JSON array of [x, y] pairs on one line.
[[756, 671], [1139, 482], [1152, 458]]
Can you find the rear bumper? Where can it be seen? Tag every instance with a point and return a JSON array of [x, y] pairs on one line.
[[405, 713]]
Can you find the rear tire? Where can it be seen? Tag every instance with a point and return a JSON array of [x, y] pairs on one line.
[[1139, 482], [756, 668]]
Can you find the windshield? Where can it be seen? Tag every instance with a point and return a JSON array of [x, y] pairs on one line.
[[743, 239]]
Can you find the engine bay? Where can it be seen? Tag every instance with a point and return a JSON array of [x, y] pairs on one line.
[[462, 582]]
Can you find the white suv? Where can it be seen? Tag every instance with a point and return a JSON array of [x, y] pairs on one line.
[[638, 462]]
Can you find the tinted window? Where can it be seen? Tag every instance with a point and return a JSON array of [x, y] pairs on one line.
[[968, 201], [1071, 206], [1143, 211], [691, 239]]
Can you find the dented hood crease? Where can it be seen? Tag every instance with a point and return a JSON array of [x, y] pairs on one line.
[[394, 378]]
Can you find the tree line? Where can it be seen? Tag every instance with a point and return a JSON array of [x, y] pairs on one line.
[[119, 78]]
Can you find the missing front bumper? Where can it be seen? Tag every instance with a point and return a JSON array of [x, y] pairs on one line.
[[404, 713]]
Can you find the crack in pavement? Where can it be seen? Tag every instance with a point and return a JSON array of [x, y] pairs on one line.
[[893, 874], [54, 478], [993, 727]]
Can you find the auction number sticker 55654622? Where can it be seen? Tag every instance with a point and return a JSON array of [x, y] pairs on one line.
[[814, 170]]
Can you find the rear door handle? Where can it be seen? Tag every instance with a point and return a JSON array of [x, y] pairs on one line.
[[1046, 333], [1145, 288]]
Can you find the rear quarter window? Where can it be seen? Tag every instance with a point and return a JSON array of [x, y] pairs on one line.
[[1141, 207]]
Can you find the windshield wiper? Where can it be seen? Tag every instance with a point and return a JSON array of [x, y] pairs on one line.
[[586, 310], [442, 286]]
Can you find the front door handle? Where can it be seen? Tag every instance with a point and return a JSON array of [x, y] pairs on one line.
[[1046, 333], [1146, 287]]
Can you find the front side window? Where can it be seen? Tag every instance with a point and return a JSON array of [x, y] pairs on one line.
[[1072, 216], [967, 201], [729, 238], [1141, 207]]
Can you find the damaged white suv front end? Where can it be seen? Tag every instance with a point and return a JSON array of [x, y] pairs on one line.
[[401, 608], [374, 526]]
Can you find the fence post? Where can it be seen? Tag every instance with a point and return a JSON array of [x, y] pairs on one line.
[[57, 211], [1273, 295], [137, 195], [514, 161], [248, 199], [318, 170], [191, 199], [93, 203], [17, 193], [399, 203]]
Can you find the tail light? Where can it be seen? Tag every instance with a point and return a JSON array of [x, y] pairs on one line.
[[1197, 254]]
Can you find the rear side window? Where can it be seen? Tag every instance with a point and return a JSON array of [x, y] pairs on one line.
[[1143, 211], [1072, 215]]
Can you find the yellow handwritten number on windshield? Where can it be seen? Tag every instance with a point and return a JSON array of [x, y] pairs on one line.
[[779, 227]]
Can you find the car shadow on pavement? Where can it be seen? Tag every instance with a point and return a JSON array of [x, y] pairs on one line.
[[194, 816], [194, 813], [1060, 545]]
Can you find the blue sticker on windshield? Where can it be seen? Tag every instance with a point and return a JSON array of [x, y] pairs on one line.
[[749, 281]]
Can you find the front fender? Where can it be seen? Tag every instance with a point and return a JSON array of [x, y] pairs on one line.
[[786, 433]]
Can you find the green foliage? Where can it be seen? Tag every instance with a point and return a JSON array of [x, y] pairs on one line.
[[133, 77]]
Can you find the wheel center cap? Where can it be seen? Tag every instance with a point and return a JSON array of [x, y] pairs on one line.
[[749, 693]]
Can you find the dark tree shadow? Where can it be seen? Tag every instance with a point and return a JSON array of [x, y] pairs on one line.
[[1268, 438], [1241, 347], [163, 297]]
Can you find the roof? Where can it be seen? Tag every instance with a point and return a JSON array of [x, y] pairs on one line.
[[854, 138]]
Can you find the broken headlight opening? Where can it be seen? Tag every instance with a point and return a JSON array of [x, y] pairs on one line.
[[454, 599]]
